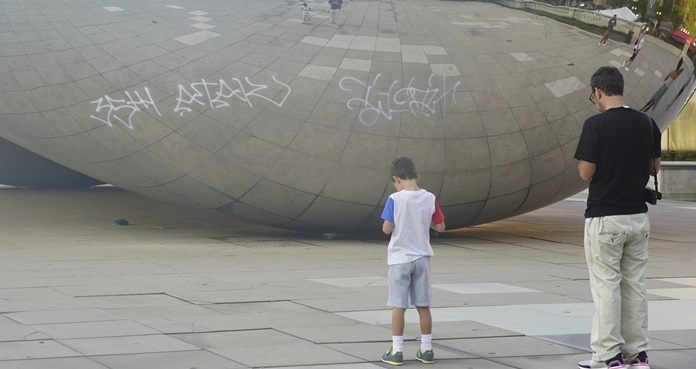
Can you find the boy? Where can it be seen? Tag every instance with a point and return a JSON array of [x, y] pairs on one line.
[[408, 216], [305, 12]]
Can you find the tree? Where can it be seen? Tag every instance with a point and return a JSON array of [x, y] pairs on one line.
[[612, 4], [685, 15]]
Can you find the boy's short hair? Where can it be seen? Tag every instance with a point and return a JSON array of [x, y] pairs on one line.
[[403, 168], [609, 80]]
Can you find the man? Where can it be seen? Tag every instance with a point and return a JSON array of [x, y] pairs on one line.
[[617, 151], [335, 7], [610, 27]]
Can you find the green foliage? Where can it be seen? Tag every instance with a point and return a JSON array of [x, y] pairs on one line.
[[615, 3], [678, 156], [685, 14]]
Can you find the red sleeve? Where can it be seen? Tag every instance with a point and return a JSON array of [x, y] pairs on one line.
[[438, 217]]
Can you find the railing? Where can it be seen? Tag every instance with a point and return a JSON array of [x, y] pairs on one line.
[[585, 16], [588, 17]]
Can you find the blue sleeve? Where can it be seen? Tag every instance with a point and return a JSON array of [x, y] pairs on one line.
[[388, 213]]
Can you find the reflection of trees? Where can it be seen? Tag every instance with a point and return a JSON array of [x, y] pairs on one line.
[[685, 14], [678, 12]]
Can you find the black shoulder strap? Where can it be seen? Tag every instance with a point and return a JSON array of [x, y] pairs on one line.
[[652, 149]]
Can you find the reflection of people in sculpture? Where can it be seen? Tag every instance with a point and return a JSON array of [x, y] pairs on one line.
[[636, 49], [660, 92], [681, 90], [679, 64], [335, 7], [305, 13], [610, 26]]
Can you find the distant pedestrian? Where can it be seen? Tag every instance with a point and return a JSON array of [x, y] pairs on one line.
[[610, 27], [681, 90], [636, 49], [408, 216], [335, 8], [305, 12]]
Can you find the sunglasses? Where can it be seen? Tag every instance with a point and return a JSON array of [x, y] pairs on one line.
[[592, 96]]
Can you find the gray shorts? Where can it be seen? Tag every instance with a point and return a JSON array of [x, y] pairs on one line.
[[410, 279]]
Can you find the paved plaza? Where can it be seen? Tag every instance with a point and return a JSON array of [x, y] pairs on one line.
[[182, 289]]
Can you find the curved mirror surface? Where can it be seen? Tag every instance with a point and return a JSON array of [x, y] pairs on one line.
[[250, 109]]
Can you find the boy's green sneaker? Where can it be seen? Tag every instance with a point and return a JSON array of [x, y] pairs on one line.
[[396, 358], [427, 357]]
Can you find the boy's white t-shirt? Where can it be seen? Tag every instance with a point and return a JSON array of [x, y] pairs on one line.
[[305, 10], [412, 215]]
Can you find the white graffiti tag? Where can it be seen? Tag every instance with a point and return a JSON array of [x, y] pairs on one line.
[[129, 105], [217, 94], [409, 99]]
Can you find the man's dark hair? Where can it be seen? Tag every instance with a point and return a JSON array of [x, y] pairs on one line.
[[609, 80], [403, 168]]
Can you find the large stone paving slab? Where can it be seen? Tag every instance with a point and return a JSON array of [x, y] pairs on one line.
[[304, 322], [299, 293], [168, 360], [68, 363], [10, 330], [252, 348], [127, 345], [34, 350]]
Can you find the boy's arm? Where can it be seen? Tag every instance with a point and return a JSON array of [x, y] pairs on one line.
[[388, 216], [440, 227], [438, 220], [387, 227]]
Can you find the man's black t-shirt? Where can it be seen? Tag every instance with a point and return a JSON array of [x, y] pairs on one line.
[[619, 142]]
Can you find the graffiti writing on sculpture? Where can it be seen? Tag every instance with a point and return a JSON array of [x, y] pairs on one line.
[[129, 105], [212, 94], [419, 101], [217, 94], [374, 103]]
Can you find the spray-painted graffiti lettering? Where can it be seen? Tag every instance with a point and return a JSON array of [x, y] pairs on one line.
[[130, 105], [409, 99], [217, 94]]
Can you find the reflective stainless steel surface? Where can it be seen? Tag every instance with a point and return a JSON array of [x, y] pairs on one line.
[[238, 106]]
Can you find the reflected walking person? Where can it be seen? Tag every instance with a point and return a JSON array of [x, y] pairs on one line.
[[408, 216], [652, 103], [617, 152], [306, 11], [636, 49], [610, 27], [335, 7]]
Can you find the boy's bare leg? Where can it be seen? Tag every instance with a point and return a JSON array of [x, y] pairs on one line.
[[398, 321], [426, 320]]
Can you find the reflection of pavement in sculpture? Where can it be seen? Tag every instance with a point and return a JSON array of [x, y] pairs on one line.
[[661, 91], [237, 106]]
